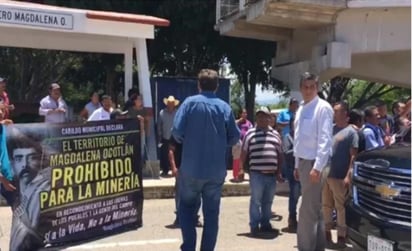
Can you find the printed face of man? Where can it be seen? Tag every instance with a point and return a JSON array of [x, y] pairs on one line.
[[309, 90], [26, 164]]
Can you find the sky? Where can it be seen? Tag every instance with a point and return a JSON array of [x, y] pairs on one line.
[[266, 97]]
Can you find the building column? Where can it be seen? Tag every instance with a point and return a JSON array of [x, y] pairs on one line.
[[146, 93], [143, 72], [128, 70]]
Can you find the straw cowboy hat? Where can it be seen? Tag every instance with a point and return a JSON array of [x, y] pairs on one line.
[[171, 99]]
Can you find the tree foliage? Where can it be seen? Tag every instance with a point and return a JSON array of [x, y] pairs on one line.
[[361, 93], [189, 44]]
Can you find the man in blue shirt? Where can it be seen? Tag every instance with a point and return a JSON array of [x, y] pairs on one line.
[[374, 135], [285, 116], [206, 127]]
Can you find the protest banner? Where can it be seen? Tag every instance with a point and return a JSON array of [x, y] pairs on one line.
[[75, 181]]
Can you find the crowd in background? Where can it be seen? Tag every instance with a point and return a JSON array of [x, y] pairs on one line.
[[311, 144]]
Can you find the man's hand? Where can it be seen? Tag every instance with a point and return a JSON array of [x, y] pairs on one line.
[[279, 177], [175, 172], [296, 174], [347, 181], [314, 176], [7, 184], [6, 122], [60, 110]]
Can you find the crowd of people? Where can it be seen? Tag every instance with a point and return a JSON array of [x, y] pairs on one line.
[[312, 144]]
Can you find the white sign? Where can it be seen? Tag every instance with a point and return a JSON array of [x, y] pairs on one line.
[[36, 18], [378, 244]]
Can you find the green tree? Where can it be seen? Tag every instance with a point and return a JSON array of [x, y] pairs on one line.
[[360, 93]]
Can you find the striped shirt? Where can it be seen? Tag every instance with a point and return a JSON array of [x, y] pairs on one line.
[[263, 149]]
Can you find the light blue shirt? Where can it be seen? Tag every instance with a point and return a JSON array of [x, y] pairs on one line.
[[373, 136], [206, 127]]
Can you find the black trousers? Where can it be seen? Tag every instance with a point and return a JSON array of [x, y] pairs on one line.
[[164, 157]]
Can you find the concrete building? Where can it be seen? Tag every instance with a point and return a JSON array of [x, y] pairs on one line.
[[365, 39]]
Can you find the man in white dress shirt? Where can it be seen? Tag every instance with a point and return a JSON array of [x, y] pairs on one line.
[[102, 113], [312, 150], [53, 107]]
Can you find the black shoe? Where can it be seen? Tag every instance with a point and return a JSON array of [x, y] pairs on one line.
[[292, 224], [254, 231], [176, 223]]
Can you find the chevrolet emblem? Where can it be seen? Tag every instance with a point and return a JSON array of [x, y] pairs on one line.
[[386, 191]]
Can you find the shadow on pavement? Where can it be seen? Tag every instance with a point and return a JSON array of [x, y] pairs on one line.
[[172, 226], [262, 235], [289, 230]]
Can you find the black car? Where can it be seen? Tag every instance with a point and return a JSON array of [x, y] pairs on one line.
[[378, 215]]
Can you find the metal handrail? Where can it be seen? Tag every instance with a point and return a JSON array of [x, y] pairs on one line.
[[228, 8]]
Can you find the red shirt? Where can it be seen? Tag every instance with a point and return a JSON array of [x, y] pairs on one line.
[[4, 99]]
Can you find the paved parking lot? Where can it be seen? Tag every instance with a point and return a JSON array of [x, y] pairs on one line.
[[156, 233]]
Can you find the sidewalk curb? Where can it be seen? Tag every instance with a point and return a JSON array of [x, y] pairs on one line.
[[229, 189]]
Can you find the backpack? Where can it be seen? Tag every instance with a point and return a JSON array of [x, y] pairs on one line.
[[362, 140]]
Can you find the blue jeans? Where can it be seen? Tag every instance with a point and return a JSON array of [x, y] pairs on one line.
[[294, 191], [190, 192], [262, 189], [177, 200]]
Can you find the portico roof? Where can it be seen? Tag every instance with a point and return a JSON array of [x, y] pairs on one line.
[[49, 27]]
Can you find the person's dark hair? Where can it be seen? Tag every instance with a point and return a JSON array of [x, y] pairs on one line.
[[344, 105], [308, 76], [17, 139], [380, 103], [134, 97], [132, 91], [118, 114], [369, 111], [241, 111], [208, 80], [293, 101], [355, 116], [93, 93]]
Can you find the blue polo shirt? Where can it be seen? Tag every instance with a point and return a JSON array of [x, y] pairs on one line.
[[206, 127]]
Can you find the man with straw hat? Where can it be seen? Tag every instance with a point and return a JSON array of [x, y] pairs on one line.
[[164, 126]]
